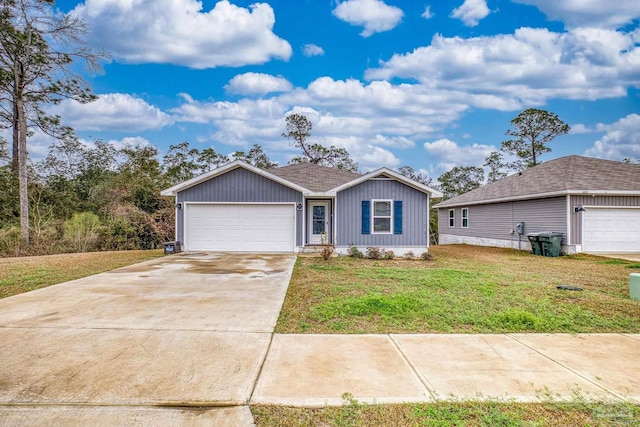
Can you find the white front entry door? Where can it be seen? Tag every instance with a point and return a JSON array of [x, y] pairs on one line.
[[319, 217]]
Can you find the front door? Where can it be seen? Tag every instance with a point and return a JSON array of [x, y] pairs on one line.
[[319, 216]]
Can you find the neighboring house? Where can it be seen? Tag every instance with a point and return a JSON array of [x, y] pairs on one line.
[[594, 203], [238, 207]]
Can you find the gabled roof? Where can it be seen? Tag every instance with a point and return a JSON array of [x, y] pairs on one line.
[[314, 177], [308, 178], [226, 168], [388, 173], [566, 175]]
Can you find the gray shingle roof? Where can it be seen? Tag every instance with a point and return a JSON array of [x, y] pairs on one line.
[[314, 177], [572, 174]]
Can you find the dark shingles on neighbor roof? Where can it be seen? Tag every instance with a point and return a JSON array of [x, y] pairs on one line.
[[566, 174], [314, 177]]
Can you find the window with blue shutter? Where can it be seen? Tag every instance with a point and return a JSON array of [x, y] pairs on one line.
[[397, 217], [366, 217]]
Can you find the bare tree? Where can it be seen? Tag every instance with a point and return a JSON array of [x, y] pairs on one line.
[[299, 130]]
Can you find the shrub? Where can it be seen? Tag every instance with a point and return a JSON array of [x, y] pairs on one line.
[[409, 255], [388, 254], [131, 228], [374, 253], [82, 231], [426, 256], [354, 252], [10, 241]]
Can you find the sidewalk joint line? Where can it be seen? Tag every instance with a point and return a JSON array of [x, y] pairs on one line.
[[600, 386], [425, 382]]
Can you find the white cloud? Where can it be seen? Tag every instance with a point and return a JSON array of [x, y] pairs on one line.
[[427, 14], [257, 84], [394, 141], [588, 13], [621, 140], [579, 129], [471, 12], [374, 15], [527, 68], [375, 157], [344, 113], [112, 111], [133, 141], [311, 49], [179, 32], [448, 154]]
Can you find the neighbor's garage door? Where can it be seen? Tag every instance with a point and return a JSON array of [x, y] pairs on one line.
[[239, 228], [611, 230]]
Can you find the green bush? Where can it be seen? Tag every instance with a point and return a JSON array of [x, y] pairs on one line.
[[354, 252], [82, 231], [131, 228]]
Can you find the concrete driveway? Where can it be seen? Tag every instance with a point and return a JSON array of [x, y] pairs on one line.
[[187, 331], [618, 255]]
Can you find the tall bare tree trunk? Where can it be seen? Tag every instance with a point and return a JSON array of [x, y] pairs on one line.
[[20, 132], [16, 143]]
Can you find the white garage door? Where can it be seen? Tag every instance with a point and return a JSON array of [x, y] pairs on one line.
[[611, 230], [239, 228]]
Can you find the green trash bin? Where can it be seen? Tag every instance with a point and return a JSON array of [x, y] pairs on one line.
[[550, 243], [535, 243]]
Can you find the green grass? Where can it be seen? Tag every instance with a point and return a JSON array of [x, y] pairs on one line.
[[489, 413], [24, 274], [464, 290]]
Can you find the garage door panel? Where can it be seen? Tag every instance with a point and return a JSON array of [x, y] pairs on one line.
[[611, 230], [240, 227]]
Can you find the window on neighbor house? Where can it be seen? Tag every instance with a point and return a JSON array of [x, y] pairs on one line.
[[465, 218], [452, 218]]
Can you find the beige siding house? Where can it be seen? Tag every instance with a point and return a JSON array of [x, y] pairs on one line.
[[594, 203]]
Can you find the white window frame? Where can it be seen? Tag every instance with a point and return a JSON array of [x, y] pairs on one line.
[[452, 218], [464, 217], [374, 216]]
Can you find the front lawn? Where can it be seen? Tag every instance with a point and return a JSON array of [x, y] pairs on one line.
[[466, 289], [25, 274]]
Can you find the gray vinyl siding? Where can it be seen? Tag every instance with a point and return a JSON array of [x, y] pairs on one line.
[[612, 201], [415, 211], [496, 220], [239, 186]]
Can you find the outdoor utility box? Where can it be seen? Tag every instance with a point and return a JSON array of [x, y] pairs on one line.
[[550, 243], [520, 228], [634, 286], [535, 243], [172, 248]]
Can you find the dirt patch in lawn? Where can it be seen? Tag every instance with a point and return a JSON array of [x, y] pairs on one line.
[[465, 289], [25, 274]]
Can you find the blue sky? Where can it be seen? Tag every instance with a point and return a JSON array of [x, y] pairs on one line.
[[429, 84]]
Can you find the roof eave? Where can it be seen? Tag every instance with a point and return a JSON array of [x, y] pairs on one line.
[[443, 205], [407, 181], [172, 191]]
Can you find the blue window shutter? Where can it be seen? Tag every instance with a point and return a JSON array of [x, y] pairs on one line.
[[397, 217], [366, 217]]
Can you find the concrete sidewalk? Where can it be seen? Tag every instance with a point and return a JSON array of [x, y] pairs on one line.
[[315, 370]]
